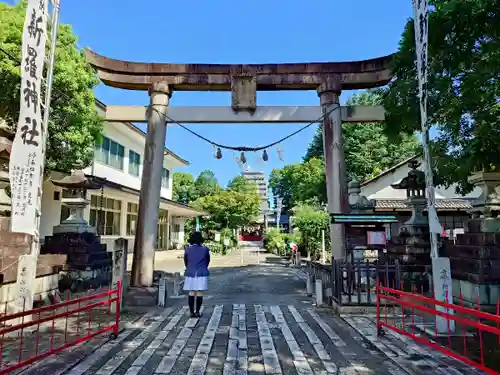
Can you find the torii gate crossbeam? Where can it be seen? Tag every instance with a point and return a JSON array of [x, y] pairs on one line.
[[329, 79]]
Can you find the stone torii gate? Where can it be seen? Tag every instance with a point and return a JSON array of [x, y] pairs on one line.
[[160, 80]]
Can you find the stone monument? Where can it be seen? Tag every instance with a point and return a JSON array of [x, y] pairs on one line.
[[88, 263], [475, 255]]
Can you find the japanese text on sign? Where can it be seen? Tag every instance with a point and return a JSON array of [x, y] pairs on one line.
[[27, 149]]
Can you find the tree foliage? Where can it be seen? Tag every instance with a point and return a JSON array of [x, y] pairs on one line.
[[205, 184], [232, 208], [74, 123], [240, 184], [311, 221], [229, 209], [183, 187], [463, 87], [368, 151], [303, 182]]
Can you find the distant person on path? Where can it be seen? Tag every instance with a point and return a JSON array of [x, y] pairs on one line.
[[196, 260]]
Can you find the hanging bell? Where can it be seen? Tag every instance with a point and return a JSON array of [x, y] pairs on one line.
[[218, 155], [243, 158], [264, 156]]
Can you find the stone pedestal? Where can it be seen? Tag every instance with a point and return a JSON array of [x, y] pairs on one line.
[[88, 263], [475, 255]]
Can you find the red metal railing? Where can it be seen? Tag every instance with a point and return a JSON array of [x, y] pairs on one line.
[[32, 335], [471, 336]]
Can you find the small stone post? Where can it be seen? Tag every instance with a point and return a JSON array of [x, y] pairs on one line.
[[319, 293], [120, 251], [309, 285], [177, 285]]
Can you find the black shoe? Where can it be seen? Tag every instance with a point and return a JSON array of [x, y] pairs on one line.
[[194, 315], [198, 315]]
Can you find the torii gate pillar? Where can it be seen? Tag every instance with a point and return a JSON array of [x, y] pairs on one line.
[[335, 171], [149, 202]]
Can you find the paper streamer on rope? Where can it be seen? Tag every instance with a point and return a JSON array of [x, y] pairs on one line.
[[26, 159], [421, 14]]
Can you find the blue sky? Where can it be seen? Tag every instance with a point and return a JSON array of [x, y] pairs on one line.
[[236, 31]]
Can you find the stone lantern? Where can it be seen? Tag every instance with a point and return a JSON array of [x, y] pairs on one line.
[[413, 245], [77, 185]]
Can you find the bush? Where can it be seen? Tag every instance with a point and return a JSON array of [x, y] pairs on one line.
[[274, 242], [310, 222]]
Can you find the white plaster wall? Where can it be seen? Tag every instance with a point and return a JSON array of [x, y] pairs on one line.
[[381, 187], [51, 209], [130, 140]]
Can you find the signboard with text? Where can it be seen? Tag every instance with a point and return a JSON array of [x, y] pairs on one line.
[[25, 165]]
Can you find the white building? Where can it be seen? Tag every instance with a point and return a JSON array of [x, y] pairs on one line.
[[451, 207], [259, 180], [118, 163]]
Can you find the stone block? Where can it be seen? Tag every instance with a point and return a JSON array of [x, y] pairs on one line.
[[483, 225], [12, 246], [471, 294], [48, 264], [472, 252], [15, 240], [4, 224], [478, 239]]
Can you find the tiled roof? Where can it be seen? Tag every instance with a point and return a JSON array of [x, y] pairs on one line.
[[441, 204]]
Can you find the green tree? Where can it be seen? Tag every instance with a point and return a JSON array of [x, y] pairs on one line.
[[301, 182], [310, 221], [368, 151], [239, 183], [75, 125], [463, 87], [182, 187], [228, 209], [205, 184]]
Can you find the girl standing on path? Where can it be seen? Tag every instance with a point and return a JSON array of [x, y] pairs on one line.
[[196, 260]]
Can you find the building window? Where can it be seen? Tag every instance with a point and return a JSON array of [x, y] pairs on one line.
[[176, 230], [106, 217], [161, 239], [132, 212], [110, 152], [134, 162], [165, 176]]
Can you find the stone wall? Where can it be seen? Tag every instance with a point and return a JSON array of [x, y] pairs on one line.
[[12, 246], [475, 267]]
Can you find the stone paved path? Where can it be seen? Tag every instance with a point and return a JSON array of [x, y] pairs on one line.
[[256, 320]]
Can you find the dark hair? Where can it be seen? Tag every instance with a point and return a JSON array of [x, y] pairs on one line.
[[196, 238]]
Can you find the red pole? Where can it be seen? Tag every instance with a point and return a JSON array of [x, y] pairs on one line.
[[498, 324], [377, 296], [118, 306], [464, 327]]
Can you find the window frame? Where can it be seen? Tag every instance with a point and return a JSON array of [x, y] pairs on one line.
[[134, 161]]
